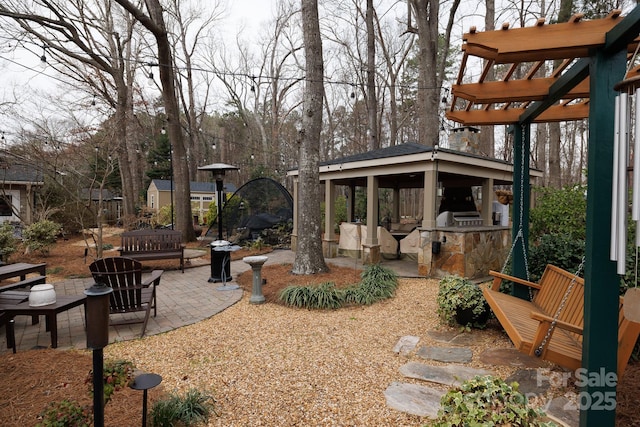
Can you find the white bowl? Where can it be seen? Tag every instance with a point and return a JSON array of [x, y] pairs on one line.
[[41, 295]]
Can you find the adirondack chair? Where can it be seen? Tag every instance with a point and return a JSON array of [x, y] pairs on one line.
[[131, 293]]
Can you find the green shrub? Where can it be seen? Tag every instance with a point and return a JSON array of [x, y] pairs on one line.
[[64, 414], [41, 236], [164, 215], [322, 296], [191, 409], [8, 241], [456, 294], [487, 401], [560, 250], [559, 211], [116, 374], [377, 283]]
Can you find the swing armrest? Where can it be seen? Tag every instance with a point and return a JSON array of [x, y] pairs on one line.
[[547, 320], [499, 277]]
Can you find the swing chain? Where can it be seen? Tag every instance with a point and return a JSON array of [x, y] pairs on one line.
[[520, 233], [563, 302]]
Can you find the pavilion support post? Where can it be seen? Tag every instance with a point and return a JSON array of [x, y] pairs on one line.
[[395, 216], [521, 203], [599, 355], [487, 201], [430, 194], [329, 242], [351, 203], [371, 247]]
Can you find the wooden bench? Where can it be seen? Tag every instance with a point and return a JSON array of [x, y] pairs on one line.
[[528, 322], [153, 244], [29, 281]]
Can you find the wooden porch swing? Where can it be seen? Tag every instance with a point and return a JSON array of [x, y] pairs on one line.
[[551, 323], [550, 326]]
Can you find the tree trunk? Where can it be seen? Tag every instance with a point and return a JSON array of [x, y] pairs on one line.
[[372, 101], [182, 200], [309, 258], [487, 135], [426, 12]]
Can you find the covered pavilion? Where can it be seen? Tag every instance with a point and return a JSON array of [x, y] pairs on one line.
[[466, 250], [589, 60]]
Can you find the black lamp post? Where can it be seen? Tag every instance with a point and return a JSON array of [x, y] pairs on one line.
[[97, 312]]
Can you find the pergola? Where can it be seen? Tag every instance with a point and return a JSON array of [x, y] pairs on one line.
[[589, 59]]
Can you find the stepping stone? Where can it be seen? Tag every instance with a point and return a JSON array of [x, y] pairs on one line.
[[406, 344], [451, 375], [414, 399], [530, 381], [455, 337], [510, 357], [563, 410], [443, 336], [446, 354]]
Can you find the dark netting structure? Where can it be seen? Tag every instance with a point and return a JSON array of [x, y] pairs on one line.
[[261, 208]]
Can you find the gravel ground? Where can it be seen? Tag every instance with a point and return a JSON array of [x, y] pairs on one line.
[[269, 365]]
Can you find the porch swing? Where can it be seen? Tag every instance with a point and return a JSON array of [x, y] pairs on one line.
[[550, 324]]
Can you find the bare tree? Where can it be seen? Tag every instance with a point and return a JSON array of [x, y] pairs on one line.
[[372, 102], [309, 258], [100, 62], [432, 64], [155, 23]]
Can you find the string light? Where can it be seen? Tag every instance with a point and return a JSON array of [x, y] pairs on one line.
[[43, 58]]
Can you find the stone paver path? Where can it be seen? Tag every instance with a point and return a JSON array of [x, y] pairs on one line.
[[451, 375], [423, 400]]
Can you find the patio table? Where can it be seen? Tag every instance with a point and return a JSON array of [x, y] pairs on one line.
[[63, 303]]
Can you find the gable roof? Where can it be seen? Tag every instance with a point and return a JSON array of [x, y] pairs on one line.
[[382, 153], [196, 187], [13, 172]]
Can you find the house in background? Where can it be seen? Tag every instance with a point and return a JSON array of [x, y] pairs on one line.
[[202, 194], [111, 204], [19, 184]]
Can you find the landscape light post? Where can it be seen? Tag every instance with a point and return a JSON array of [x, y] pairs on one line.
[[97, 312]]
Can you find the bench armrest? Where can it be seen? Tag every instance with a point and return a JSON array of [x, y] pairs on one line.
[[499, 277], [154, 278], [543, 329], [544, 319]]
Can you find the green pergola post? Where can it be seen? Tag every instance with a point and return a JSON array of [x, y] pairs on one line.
[[600, 341], [521, 203]]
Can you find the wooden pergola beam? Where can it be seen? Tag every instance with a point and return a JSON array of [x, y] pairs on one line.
[[516, 90], [556, 113], [530, 44]]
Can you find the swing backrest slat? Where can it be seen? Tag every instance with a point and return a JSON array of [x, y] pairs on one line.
[[558, 285]]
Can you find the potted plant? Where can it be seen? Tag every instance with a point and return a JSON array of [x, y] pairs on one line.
[[461, 301]]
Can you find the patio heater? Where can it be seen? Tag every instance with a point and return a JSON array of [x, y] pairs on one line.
[[220, 248]]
